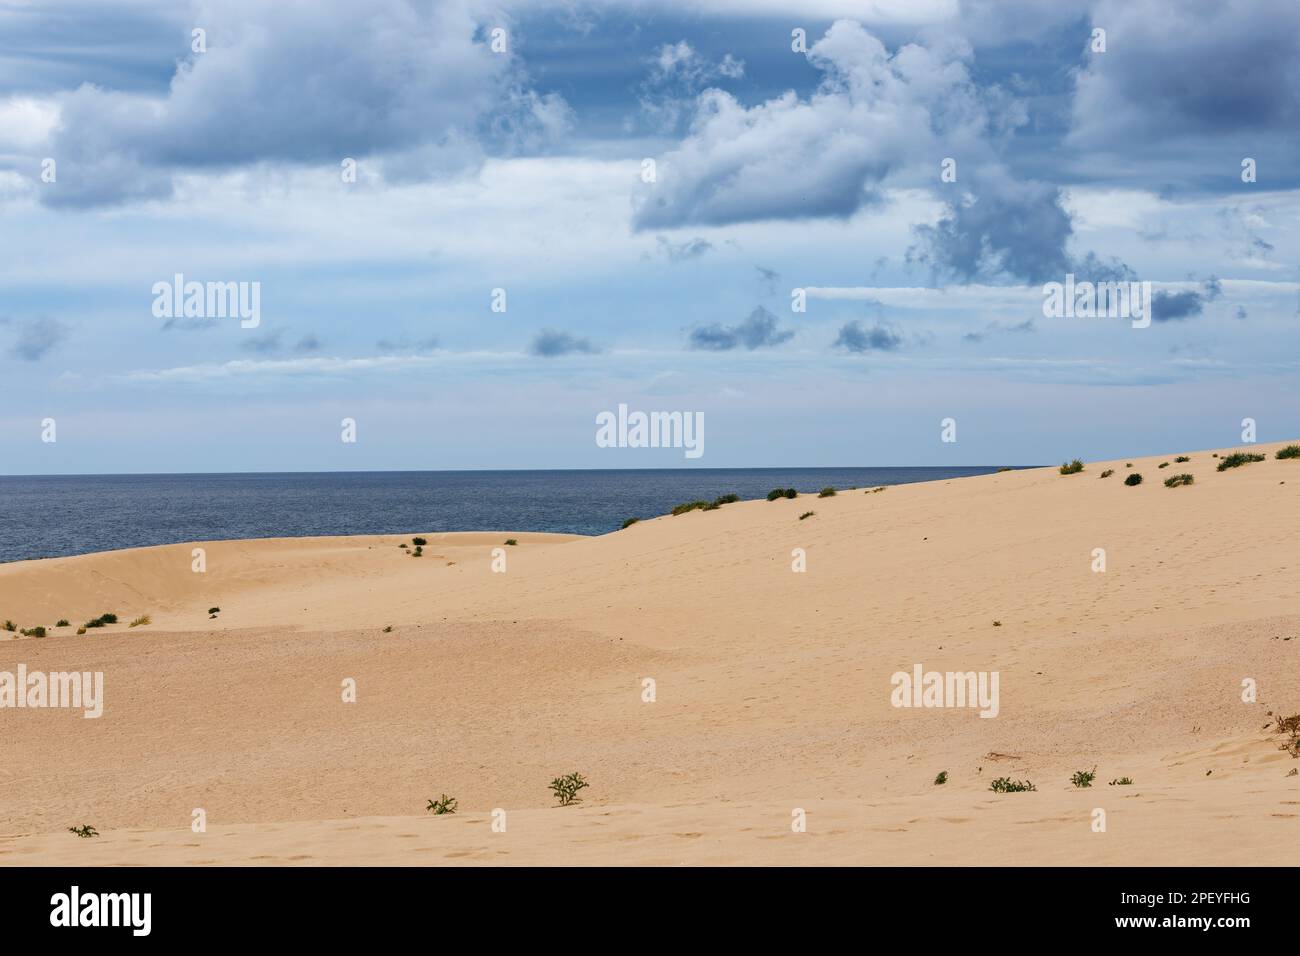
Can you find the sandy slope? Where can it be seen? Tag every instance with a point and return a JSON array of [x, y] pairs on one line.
[[773, 687]]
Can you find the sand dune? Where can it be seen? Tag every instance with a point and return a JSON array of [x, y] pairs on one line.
[[772, 687]]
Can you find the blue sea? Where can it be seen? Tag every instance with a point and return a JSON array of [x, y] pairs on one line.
[[51, 516]]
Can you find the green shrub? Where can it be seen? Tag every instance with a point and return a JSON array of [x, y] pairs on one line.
[[727, 499], [402, 545], [1290, 451], [1122, 782], [37, 631], [1133, 479], [826, 493], [1128, 464], [1072, 467], [942, 778], [775, 493], [1164, 464], [444, 804], [1108, 472], [1084, 778], [419, 542], [9, 626], [1007, 785], [1004, 468], [108, 618], [388, 629], [628, 523], [214, 610], [791, 493], [566, 788], [807, 514], [140, 621], [62, 622], [85, 830], [1177, 480], [93, 622], [689, 506], [873, 491], [1237, 459], [511, 541], [1182, 458]]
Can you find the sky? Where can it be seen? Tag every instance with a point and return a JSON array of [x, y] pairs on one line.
[[471, 228]]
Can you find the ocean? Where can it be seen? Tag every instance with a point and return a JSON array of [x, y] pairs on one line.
[[52, 516]]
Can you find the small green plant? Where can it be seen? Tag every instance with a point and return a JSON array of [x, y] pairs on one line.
[[37, 631], [1289, 727], [711, 506], [689, 506], [402, 545], [1164, 464], [83, 831], [61, 622], [1237, 459], [214, 610], [807, 514], [9, 626], [93, 622], [1133, 479], [1128, 464], [791, 493], [1108, 472], [1183, 458], [628, 523], [1084, 778], [1122, 782], [108, 618], [141, 621], [419, 542], [1004, 468], [997, 623], [1072, 467], [942, 778], [511, 541], [566, 788], [775, 493], [727, 499], [418, 552], [1290, 451], [826, 493], [443, 804], [388, 629], [1007, 785], [1177, 480]]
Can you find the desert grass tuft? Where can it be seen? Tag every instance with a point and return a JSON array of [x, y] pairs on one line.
[[1237, 459], [1072, 467]]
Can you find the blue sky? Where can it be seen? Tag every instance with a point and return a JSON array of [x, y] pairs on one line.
[[522, 170]]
